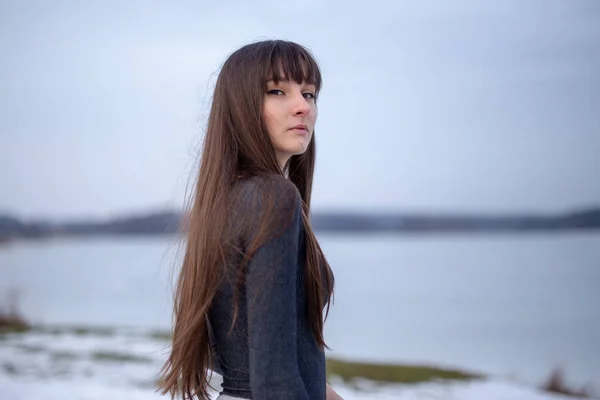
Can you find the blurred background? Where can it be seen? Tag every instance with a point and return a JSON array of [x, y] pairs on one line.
[[456, 190]]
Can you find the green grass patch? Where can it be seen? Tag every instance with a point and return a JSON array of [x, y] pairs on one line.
[[391, 373], [75, 330], [48, 330], [109, 356], [10, 368], [95, 330], [63, 356], [164, 336], [30, 348], [146, 384]]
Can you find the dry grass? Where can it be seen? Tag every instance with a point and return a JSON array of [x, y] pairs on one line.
[[11, 319], [556, 384]]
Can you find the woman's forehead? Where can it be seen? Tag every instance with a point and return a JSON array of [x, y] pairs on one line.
[[296, 70]]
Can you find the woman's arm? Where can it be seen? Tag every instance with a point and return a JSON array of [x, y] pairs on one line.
[[332, 395], [271, 283]]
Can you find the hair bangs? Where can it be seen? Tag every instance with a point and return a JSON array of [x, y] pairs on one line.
[[290, 61]]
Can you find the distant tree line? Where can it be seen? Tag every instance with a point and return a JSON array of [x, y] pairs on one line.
[[168, 223]]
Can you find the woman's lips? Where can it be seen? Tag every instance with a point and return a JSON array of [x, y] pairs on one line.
[[300, 129]]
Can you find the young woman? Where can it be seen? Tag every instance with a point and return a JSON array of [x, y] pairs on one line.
[[254, 283]]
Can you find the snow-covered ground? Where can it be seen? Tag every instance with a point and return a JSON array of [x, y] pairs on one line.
[[53, 364]]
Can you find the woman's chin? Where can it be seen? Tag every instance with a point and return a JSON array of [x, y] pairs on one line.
[[299, 151], [295, 150]]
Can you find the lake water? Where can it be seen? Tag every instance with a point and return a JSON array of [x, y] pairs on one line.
[[509, 305]]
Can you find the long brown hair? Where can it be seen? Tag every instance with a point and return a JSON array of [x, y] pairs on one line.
[[237, 145]]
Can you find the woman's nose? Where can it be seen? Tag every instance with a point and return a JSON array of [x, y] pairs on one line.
[[300, 105]]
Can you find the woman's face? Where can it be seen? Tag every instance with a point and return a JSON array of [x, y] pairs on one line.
[[290, 113]]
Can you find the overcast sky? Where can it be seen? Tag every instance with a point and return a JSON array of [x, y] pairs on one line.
[[429, 105]]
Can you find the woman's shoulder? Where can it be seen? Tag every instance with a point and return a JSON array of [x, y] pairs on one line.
[[272, 190], [264, 203]]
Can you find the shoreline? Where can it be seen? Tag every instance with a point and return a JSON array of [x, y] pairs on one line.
[[39, 340], [518, 232]]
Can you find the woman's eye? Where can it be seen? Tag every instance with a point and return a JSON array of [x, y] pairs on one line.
[[275, 92], [308, 95]]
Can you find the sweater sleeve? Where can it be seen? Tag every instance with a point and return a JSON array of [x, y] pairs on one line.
[[271, 283]]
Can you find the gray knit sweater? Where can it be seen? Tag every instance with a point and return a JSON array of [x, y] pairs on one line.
[[271, 352]]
